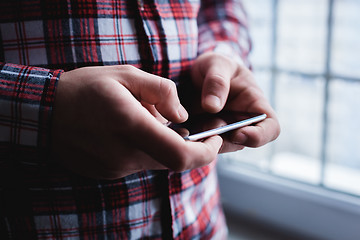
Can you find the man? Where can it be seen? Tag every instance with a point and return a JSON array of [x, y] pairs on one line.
[[85, 153]]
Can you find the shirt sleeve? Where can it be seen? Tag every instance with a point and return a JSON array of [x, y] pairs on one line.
[[223, 28], [26, 102]]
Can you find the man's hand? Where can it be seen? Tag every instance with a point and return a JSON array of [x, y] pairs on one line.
[[225, 84], [107, 124]]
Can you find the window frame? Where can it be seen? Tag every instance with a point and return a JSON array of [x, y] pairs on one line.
[[295, 207]]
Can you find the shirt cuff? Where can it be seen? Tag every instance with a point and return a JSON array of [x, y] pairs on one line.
[[26, 99]]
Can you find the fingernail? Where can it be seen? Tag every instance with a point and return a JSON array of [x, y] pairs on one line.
[[213, 101]]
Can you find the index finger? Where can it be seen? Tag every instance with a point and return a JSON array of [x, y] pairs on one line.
[[257, 135], [154, 90], [170, 149]]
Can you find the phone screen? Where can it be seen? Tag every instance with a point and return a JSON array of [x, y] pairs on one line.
[[204, 125]]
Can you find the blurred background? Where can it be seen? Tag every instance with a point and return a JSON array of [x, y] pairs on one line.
[[306, 58]]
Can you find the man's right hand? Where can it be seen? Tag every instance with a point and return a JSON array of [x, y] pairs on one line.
[[107, 123]]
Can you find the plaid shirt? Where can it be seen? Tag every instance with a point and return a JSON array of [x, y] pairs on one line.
[[39, 199]]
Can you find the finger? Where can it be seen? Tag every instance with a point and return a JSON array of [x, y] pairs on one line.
[[152, 109], [171, 150], [258, 135], [209, 149], [216, 87], [158, 141], [182, 155], [157, 91], [230, 147], [183, 132], [214, 123]]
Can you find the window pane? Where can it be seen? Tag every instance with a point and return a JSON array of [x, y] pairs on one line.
[[343, 151], [299, 102], [302, 35], [260, 25], [257, 158], [299, 98], [346, 39], [263, 79]]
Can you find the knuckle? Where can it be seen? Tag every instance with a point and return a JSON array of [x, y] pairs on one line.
[[257, 140], [255, 93], [218, 81], [124, 73], [167, 89], [126, 67], [127, 72]]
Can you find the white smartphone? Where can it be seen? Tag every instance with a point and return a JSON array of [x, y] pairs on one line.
[[202, 126]]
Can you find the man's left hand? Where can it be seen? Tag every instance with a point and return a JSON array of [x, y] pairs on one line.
[[225, 84]]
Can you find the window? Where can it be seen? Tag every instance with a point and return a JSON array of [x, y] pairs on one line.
[[306, 59]]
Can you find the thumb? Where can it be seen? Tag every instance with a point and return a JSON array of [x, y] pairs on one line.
[[215, 89]]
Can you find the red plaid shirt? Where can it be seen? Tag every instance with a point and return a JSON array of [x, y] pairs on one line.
[[41, 200]]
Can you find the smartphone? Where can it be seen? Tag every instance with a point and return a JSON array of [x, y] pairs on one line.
[[202, 126]]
